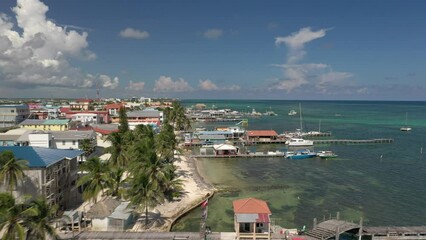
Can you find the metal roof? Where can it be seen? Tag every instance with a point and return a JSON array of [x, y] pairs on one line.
[[212, 137], [38, 157], [144, 113], [73, 135], [56, 121], [32, 122], [121, 212]]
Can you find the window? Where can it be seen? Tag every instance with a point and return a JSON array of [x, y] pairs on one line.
[[63, 143], [12, 111], [73, 142]]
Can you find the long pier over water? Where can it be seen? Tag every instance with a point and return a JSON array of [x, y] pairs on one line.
[[326, 141]]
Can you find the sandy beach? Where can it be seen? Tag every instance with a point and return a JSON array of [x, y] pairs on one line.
[[196, 190]]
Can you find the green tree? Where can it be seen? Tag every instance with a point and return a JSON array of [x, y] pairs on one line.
[[40, 225], [95, 178], [11, 170], [123, 122], [15, 221], [176, 116], [115, 182], [166, 142], [86, 146]]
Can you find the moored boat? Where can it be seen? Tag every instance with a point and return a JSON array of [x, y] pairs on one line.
[[292, 113], [299, 142], [326, 154], [301, 154]]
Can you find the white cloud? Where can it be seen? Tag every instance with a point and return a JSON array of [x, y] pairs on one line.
[[137, 86], [207, 85], [37, 54], [213, 33], [166, 84], [297, 74], [296, 42], [134, 33]]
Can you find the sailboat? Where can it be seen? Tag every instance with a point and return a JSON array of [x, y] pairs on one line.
[[406, 128], [297, 142]]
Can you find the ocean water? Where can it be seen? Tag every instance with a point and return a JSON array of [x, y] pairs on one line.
[[383, 183]]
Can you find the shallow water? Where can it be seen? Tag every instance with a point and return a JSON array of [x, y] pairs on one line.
[[383, 183]]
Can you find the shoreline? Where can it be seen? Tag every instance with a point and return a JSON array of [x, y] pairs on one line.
[[196, 189]]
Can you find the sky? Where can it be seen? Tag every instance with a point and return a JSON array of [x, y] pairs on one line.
[[221, 49]]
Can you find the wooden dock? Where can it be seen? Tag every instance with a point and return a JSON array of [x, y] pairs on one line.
[[324, 141], [246, 155]]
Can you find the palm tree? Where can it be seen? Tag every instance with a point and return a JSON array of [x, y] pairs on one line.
[[11, 170], [15, 221], [39, 225], [124, 124], [143, 193], [115, 182], [95, 178], [166, 142], [176, 116], [86, 146]]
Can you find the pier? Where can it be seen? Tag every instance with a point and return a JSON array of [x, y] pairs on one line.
[[324, 141], [245, 155]]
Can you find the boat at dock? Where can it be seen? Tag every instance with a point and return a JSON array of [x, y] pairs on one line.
[[299, 142], [326, 154], [300, 154]]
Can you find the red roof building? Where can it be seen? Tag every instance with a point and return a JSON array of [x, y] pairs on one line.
[[261, 135], [252, 219]]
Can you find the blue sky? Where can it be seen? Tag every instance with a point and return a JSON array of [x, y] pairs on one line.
[[331, 50]]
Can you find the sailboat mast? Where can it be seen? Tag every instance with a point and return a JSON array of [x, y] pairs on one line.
[[300, 117]]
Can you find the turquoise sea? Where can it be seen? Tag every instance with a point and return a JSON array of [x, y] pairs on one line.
[[383, 183]]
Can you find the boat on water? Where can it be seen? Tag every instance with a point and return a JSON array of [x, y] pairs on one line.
[[406, 128], [270, 113], [326, 154], [301, 154], [292, 113], [299, 142]]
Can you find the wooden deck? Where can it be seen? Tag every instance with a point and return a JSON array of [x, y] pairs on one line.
[[396, 233], [248, 155], [331, 228]]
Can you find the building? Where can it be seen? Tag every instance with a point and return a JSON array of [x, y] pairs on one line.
[[86, 118], [114, 108], [59, 139], [252, 219], [81, 104], [46, 125], [11, 115], [261, 135], [52, 174], [147, 117], [111, 215]]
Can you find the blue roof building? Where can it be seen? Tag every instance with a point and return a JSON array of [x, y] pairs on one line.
[[38, 157], [52, 174]]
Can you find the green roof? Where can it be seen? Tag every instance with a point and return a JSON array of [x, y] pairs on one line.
[[56, 122]]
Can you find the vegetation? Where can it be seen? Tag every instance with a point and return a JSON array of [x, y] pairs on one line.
[[11, 170], [28, 220], [140, 168], [176, 117]]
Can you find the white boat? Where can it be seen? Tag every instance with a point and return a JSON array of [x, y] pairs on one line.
[[406, 128], [292, 113], [298, 142], [326, 154]]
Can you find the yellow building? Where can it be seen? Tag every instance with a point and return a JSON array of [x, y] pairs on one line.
[[46, 125]]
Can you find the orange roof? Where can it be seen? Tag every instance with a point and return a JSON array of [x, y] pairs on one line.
[[114, 105], [250, 205], [261, 133]]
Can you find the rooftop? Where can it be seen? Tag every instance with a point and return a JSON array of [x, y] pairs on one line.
[[250, 205], [41, 157]]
